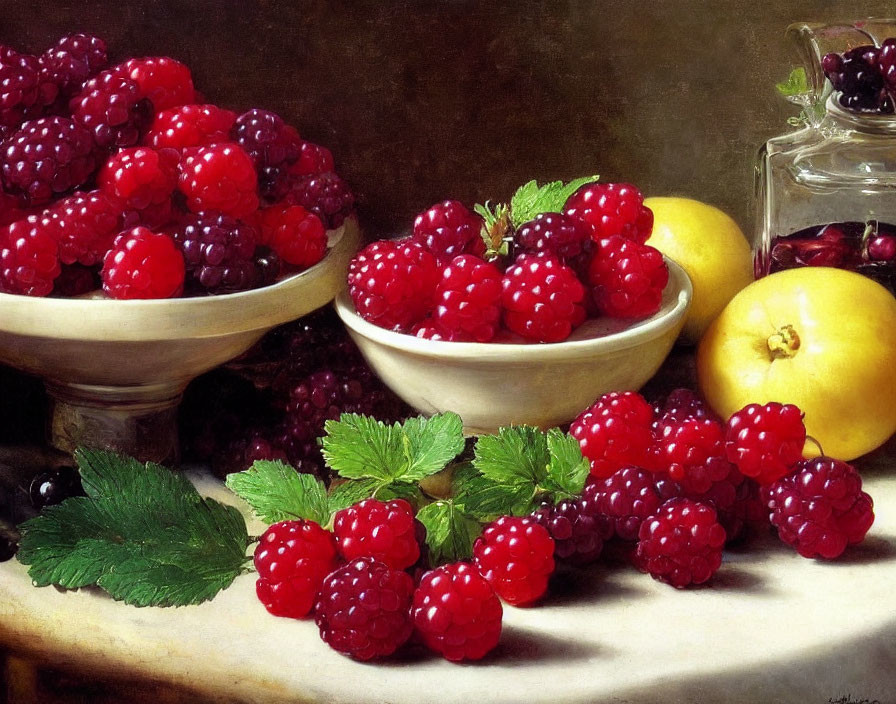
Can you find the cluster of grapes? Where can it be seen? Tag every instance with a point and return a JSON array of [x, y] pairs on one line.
[[865, 76]]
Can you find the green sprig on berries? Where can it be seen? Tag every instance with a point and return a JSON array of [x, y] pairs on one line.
[[531, 199]]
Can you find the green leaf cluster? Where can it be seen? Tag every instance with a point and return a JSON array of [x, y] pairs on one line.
[[531, 199]]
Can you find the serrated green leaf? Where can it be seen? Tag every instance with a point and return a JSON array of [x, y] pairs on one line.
[[361, 447], [796, 83], [410, 492], [351, 492], [516, 455], [568, 469], [531, 199], [431, 444], [277, 492], [486, 500], [143, 533], [449, 532]]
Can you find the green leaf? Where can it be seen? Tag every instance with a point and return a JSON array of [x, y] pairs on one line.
[[531, 199], [361, 447], [796, 83], [568, 469], [351, 492], [517, 454], [431, 444], [277, 492], [143, 533], [486, 500], [408, 491], [449, 532]]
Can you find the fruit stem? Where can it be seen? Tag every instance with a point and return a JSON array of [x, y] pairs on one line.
[[817, 444], [784, 343]]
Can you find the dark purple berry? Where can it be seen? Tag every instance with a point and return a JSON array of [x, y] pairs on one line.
[[218, 251], [562, 235], [578, 530], [273, 146], [326, 195], [73, 60], [111, 108], [54, 486]]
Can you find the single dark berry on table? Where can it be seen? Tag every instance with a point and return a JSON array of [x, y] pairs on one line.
[[53, 486]]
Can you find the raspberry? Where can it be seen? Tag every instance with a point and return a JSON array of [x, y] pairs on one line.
[[271, 143], [190, 126], [628, 278], [139, 177], [143, 264], [681, 544], [557, 234], [457, 613], [383, 531], [110, 107], [426, 329], [292, 559], [29, 256], [363, 609], [72, 60], [820, 508], [46, 157], [680, 404], [11, 209], [516, 556], [324, 194], [448, 229], [766, 441], [165, 82], [627, 498], [612, 209], [313, 159], [85, 225], [219, 177], [218, 252], [692, 452], [295, 234], [614, 432], [577, 528], [542, 299], [20, 88], [393, 283], [468, 299]]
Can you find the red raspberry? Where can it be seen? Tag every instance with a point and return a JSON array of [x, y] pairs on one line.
[[47, 157], [165, 82], [614, 432], [628, 278], [557, 234], [190, 126], [11, 209], [292, 559], [363, 609], [428, 330], [681, 544], [448, 229], [143, 264], [218, 252], [766, 441], [577, 527], [393, 283], [112, 109], [542, 298], [23, 91], [384, 531], [468, 299], [313, 159], [219, 177], [139, 177], [273, 146], [324, 194], [85, 225], [516, 556], [612, 209], [627, 498], [692, 452], [457, 613], [296, 235], [29, 256], [820, 508], [72, 60]]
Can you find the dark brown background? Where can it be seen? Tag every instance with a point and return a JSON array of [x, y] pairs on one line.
[[422, 100]]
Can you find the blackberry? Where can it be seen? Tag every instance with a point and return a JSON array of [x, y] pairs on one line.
[[680, 404], [110, 107], [54, 486], [273, 146], [557, 234], [20, 88], [46, 157], [72, 61], [324, 194], [626, 498], [578, 529], [267, 266], [219, 252]]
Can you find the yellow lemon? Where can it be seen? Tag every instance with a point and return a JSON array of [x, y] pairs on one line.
[[822, 339], [710, 247]]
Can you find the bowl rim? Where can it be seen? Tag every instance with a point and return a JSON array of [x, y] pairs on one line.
[[638, 333]]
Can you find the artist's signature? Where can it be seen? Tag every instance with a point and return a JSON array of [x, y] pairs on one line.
[[848, 699]]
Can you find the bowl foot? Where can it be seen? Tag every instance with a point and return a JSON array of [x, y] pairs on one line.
[[140, 422]]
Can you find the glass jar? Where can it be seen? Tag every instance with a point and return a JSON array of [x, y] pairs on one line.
[[826, 193]]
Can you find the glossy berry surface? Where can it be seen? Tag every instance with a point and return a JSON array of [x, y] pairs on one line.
[[165, 82], [190, 126], [577, 527], [516, 556], [457, 613], [143, 264], [363, 609], [692, 452], [29, 256], [295, 234], [111, 108], [219, 177], [385, 531], [53, 486], [468, 299], [313, 159], [292, 558], [626, 498], [612, 209], [20, 88], [85, 226], [681, 544], [557, 234], [680, 404], [139, 177], [72, 60], [857, 75], [218, 252], [448, 229], [325, 194], [765, 441], [271, 143], [615, 432], [542, 299], [627, 278], [820, 508], [393, 283]]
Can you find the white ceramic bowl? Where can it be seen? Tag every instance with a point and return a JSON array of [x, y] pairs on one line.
[[494, 384], [115, 370]]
